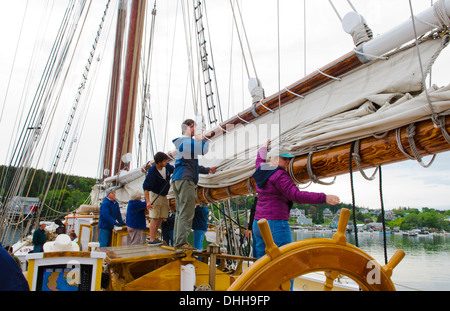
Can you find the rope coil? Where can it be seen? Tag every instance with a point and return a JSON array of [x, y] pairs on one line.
[[311, 174], [410, 133], [357, 159], [291, 173]]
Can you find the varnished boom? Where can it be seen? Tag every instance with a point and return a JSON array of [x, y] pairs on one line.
[[335, 161]]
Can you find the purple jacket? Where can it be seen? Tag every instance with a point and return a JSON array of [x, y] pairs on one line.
[[273, 197]]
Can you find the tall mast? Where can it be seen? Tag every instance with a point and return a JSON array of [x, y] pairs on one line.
[[130, 84], [114, 91]]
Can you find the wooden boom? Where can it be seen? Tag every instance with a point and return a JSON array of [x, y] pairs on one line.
[[335, 161]]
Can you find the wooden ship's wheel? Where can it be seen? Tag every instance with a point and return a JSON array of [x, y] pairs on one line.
[[333, 256]]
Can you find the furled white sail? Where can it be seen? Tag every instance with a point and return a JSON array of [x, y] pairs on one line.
[[370, 100], [380, 96], [384, 94]]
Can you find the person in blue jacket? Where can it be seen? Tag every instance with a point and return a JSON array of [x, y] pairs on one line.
[[12, 278], [135, 220], [156, 186], [109, 217], [185, 179]]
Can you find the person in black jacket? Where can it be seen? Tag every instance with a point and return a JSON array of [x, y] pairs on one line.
[[39, 238], [12, 278], [156, 186]]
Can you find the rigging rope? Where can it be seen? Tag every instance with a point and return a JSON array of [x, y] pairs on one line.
[[77, 99], [383, 219], [434, 115], [219, 109], [24, 150], [71, 118], [240, 40], [353, 194]]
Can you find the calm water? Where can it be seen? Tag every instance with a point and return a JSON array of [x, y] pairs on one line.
[[426, 265]]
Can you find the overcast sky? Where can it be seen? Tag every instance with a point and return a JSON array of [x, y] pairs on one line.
[[404, 184]]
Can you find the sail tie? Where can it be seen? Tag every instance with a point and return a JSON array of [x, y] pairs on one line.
[[224, 130], [261, 103], [291, 173], [410, 133], [371, 56], [328, 76], [245, 121], [445, 134], [311, 174], [298, 95], [357, 159]]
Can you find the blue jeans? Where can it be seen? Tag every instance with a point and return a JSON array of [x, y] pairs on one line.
[[199, 235], [104, 237], [281, 233]]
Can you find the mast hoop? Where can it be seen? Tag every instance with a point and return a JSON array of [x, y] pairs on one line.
[[311, 174], [357, 158]]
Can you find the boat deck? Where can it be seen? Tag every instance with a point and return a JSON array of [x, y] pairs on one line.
[[135, 253]]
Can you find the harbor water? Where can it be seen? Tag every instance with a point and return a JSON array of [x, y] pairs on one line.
[[425, 266]]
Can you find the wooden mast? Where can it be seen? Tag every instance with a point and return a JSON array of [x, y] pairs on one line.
[[114, 92], [335, 161], [130, 87]]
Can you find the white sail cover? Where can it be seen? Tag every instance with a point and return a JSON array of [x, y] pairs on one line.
[[373, 99], [380, 96]]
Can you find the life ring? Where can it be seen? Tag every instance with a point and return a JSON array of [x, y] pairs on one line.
[[333, 256]]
